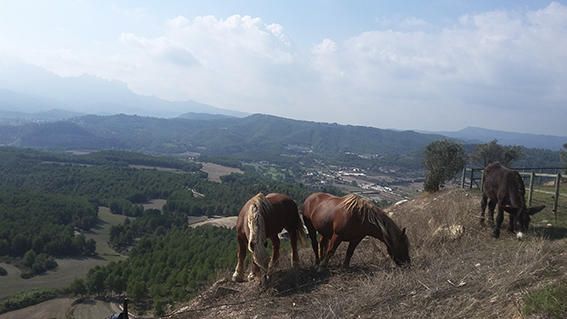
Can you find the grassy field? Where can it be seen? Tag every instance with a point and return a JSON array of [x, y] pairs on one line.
[[55, 308], [101, 234], [63, 308], [215, 171], [467, 274], [68, 269]]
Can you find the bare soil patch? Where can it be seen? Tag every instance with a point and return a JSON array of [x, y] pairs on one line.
[[215, 171], [227, 222]]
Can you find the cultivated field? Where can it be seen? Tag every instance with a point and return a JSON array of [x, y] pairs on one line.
[[215, 171], [65, 308]]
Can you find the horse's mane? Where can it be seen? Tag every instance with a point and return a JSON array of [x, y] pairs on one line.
[[258, 206], [369, 212]]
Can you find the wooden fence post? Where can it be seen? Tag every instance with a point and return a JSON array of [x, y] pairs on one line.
[[472, 177], [463, 177], [556, 202], [481, 181], [530, 194]]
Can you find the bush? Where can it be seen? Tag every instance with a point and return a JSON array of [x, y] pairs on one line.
[[443, 160]]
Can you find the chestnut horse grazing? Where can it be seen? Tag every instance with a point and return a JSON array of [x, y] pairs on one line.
[[262, 218], [351, 218]]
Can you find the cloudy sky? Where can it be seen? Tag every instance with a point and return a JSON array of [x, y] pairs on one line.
[[432, 65]]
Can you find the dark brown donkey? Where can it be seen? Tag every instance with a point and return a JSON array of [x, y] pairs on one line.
[[351, 218], [262, 218], [505, 187]]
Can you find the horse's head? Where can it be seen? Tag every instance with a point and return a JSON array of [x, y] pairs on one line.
[[257, 237], [522, 217], [398, 248]]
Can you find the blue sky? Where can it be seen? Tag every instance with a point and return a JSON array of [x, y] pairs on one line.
[[433, 65]]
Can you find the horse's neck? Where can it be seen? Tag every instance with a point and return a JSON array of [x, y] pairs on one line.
[[378, 232]]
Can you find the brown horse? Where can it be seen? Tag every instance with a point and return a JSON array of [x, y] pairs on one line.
[[264, 217], [351, 218]]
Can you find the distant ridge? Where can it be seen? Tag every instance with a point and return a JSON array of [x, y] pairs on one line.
[[29, 89], [482, 135]]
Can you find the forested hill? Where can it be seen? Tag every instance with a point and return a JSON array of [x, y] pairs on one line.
[[258, 136]]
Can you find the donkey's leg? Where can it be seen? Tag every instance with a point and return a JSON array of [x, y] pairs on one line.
[[350, 250], [483, 203], [313, 236], [491, 207], [333, 245], [511, 223], [275, 252], [499, 220], [241, 255]]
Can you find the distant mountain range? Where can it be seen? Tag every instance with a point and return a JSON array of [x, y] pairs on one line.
[[11, 117], [255, 137], [481, 135], [30, 89]]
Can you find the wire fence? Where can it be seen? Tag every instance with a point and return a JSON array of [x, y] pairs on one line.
[[544, 186]]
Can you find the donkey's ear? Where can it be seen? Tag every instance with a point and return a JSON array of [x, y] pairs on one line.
[[510, 209], [535, 210], [404, 231]]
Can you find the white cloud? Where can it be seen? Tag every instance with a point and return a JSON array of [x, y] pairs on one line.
[[498, 69], [491, 69]]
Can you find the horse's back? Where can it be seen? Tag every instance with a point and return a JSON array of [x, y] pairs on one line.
[[285, 213]]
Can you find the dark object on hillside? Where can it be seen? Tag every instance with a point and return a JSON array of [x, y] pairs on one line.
[[351, 218], [124, 313], [263, 218], [506, 188]]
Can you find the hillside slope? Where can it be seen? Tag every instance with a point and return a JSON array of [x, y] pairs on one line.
[[473, 276]]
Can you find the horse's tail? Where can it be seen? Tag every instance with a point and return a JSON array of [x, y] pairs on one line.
[[301, 230], [257, 227]]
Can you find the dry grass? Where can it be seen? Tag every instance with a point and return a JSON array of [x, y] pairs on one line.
[[473, 276]]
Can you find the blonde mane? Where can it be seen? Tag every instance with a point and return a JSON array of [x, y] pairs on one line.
[[257, 207], [368, 212]]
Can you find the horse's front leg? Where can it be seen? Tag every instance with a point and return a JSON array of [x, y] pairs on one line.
[[275, 253], [323, 243], [333, 245], [241, 255], [350, 250]]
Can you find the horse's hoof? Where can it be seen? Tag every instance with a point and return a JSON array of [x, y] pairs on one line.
[[495, 234], [238, 277], [520, 235], [251, 276]]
